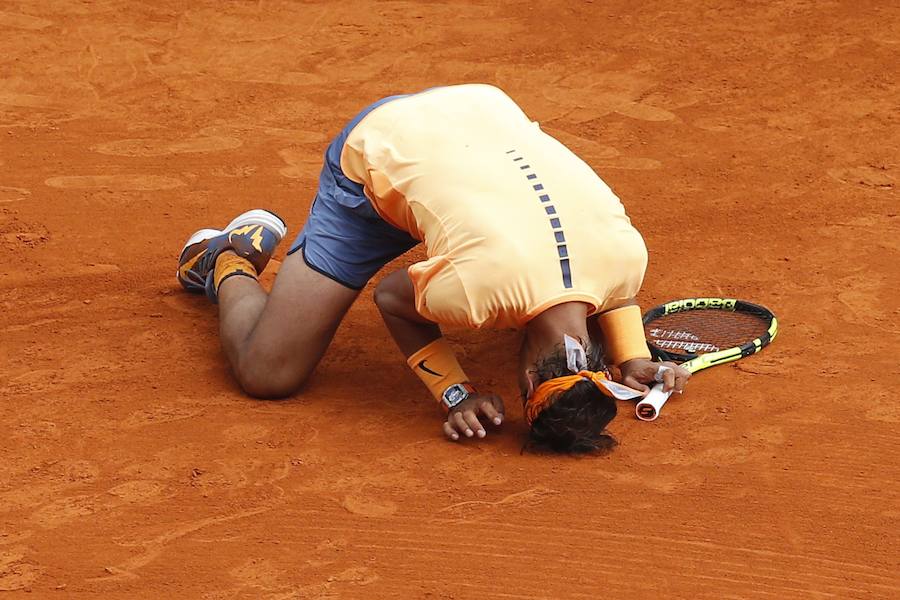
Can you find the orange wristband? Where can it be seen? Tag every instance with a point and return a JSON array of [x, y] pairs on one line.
[[623, 329], [437, 367]]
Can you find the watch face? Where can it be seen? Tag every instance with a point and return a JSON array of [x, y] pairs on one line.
[[454, 395]]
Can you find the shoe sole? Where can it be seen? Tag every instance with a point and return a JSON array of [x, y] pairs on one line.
[[256, 216]]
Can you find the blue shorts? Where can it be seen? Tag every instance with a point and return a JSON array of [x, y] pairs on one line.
[[344, 238]]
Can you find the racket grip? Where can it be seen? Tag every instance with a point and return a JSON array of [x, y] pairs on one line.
[[648, 408]]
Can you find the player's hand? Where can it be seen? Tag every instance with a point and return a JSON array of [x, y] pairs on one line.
[[463, 419], [641, 373]]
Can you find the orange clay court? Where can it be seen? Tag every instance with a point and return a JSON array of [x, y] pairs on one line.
[[755, 146]]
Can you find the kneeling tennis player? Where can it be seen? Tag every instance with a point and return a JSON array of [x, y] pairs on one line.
[[519, 232]]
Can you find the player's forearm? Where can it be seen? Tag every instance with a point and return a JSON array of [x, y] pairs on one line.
[[427, 353], [409, 335], [395, 299]]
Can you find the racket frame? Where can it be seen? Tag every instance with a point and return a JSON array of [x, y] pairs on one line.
[[648, 408]]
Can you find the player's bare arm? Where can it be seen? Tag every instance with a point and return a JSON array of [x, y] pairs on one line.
[[395, 298]]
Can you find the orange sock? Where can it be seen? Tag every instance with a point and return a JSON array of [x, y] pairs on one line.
[[229, 264]]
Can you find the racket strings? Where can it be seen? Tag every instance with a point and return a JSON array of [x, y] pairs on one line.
[[703, 331]]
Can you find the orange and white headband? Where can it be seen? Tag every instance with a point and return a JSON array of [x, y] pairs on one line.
[[576, 359]]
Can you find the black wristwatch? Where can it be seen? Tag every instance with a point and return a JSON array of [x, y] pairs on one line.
[[457, 393]]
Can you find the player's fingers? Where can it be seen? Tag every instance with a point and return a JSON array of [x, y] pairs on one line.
[[460, 423], [488, 410], [636, 385], [681, 377], [473, 423], [497, 402], [668, 380], [450, 432]]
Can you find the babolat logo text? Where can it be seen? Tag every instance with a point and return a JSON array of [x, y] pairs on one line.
[[695, 303]]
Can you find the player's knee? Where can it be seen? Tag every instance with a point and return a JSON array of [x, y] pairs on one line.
[[265, 383]]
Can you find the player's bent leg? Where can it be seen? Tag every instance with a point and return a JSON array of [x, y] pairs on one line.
[[275, 341]]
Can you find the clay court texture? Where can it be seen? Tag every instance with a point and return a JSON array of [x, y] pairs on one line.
[[754, 144]]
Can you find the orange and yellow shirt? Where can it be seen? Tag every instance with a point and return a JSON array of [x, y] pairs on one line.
[[512, 221]]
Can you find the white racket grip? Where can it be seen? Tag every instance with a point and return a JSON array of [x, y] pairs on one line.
[[648, 408]]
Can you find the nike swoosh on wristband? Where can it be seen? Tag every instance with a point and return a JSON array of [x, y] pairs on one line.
[[422, 366]]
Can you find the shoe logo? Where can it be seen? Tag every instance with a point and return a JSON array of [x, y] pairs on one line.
[[255, 237], [422, 366]]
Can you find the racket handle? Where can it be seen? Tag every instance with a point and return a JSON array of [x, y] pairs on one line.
[[648, 408]]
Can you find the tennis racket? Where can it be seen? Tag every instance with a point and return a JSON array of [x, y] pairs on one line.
[[700, 333]]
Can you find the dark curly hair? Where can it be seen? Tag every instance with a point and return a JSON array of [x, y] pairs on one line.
[[575, 420]]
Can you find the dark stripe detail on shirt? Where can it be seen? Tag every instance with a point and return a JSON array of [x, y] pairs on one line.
[[555, 225], [566, 272]]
